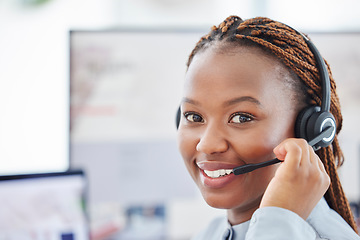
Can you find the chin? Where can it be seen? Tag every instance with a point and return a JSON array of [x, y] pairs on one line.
[[217, 204], [225, 201], [221, 201]]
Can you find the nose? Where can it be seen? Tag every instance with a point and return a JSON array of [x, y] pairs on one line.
[[212, 141]]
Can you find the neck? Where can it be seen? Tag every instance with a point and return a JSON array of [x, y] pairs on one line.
[[242, 214]]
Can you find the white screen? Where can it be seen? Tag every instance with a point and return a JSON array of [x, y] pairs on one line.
[[43, 208]]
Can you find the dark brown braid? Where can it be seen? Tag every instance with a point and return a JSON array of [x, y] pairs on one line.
[[289, 47]]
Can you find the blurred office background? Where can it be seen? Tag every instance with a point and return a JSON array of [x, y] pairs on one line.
[[120, 65]]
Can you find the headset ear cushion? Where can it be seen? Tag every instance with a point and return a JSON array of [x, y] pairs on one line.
[[302, 122], [317, 123], [178, 117]]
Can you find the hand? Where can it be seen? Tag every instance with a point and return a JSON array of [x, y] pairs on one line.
[[299, 182]]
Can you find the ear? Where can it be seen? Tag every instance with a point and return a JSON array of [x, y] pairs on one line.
[[178, 118]]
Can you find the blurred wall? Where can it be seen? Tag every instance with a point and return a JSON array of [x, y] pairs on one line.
[[34, 56]]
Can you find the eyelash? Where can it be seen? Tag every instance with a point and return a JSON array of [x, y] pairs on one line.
[[188, 114], [248, 117]]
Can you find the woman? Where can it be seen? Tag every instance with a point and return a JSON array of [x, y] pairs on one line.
[[245, 85]]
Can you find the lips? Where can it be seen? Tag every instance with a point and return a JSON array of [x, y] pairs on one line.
[[216, 174], [213, 165]]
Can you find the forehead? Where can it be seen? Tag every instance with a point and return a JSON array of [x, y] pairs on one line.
[[239, 68], [215, 77]]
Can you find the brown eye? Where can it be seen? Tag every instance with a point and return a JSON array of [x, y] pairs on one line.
[[240, 118], [193, 117]]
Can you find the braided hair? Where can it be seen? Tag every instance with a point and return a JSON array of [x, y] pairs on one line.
[[288, 46]]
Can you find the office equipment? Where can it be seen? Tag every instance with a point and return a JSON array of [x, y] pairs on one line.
[[43, 206]]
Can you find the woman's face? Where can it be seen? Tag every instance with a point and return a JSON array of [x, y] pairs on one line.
[[235, 111]]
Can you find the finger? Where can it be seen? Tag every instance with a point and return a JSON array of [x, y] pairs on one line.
[[320, 164], [280, 151], [315, 160], [305, 150], [291, 153]]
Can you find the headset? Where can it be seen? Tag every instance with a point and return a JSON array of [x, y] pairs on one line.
[[314, 123]]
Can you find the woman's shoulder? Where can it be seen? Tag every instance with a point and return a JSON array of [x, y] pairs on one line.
[[323, 222], [328, 224]]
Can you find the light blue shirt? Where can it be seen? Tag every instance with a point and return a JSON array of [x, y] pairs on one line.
[[273, 223]]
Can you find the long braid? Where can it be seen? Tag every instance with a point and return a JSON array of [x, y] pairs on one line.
[[290, 48]]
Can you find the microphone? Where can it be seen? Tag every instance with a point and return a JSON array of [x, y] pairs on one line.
[[251, 167]]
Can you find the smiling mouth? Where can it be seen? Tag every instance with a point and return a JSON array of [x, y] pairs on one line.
[[218, 173]]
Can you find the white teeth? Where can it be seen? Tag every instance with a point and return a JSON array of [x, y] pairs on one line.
[[218, 173]]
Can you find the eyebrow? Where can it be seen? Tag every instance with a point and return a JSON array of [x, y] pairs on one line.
[[242, 99], [191, 101], [229, 102]]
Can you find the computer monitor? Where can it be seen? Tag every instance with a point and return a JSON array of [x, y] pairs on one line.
[[43, 206]]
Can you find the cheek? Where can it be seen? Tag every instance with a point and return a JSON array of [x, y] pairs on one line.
[[186, 146], [254, 148], [258, 145]]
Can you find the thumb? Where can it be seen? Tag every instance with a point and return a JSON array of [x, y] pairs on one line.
[[280, 151]]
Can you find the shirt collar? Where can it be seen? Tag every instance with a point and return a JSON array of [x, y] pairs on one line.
[[238, 231]]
